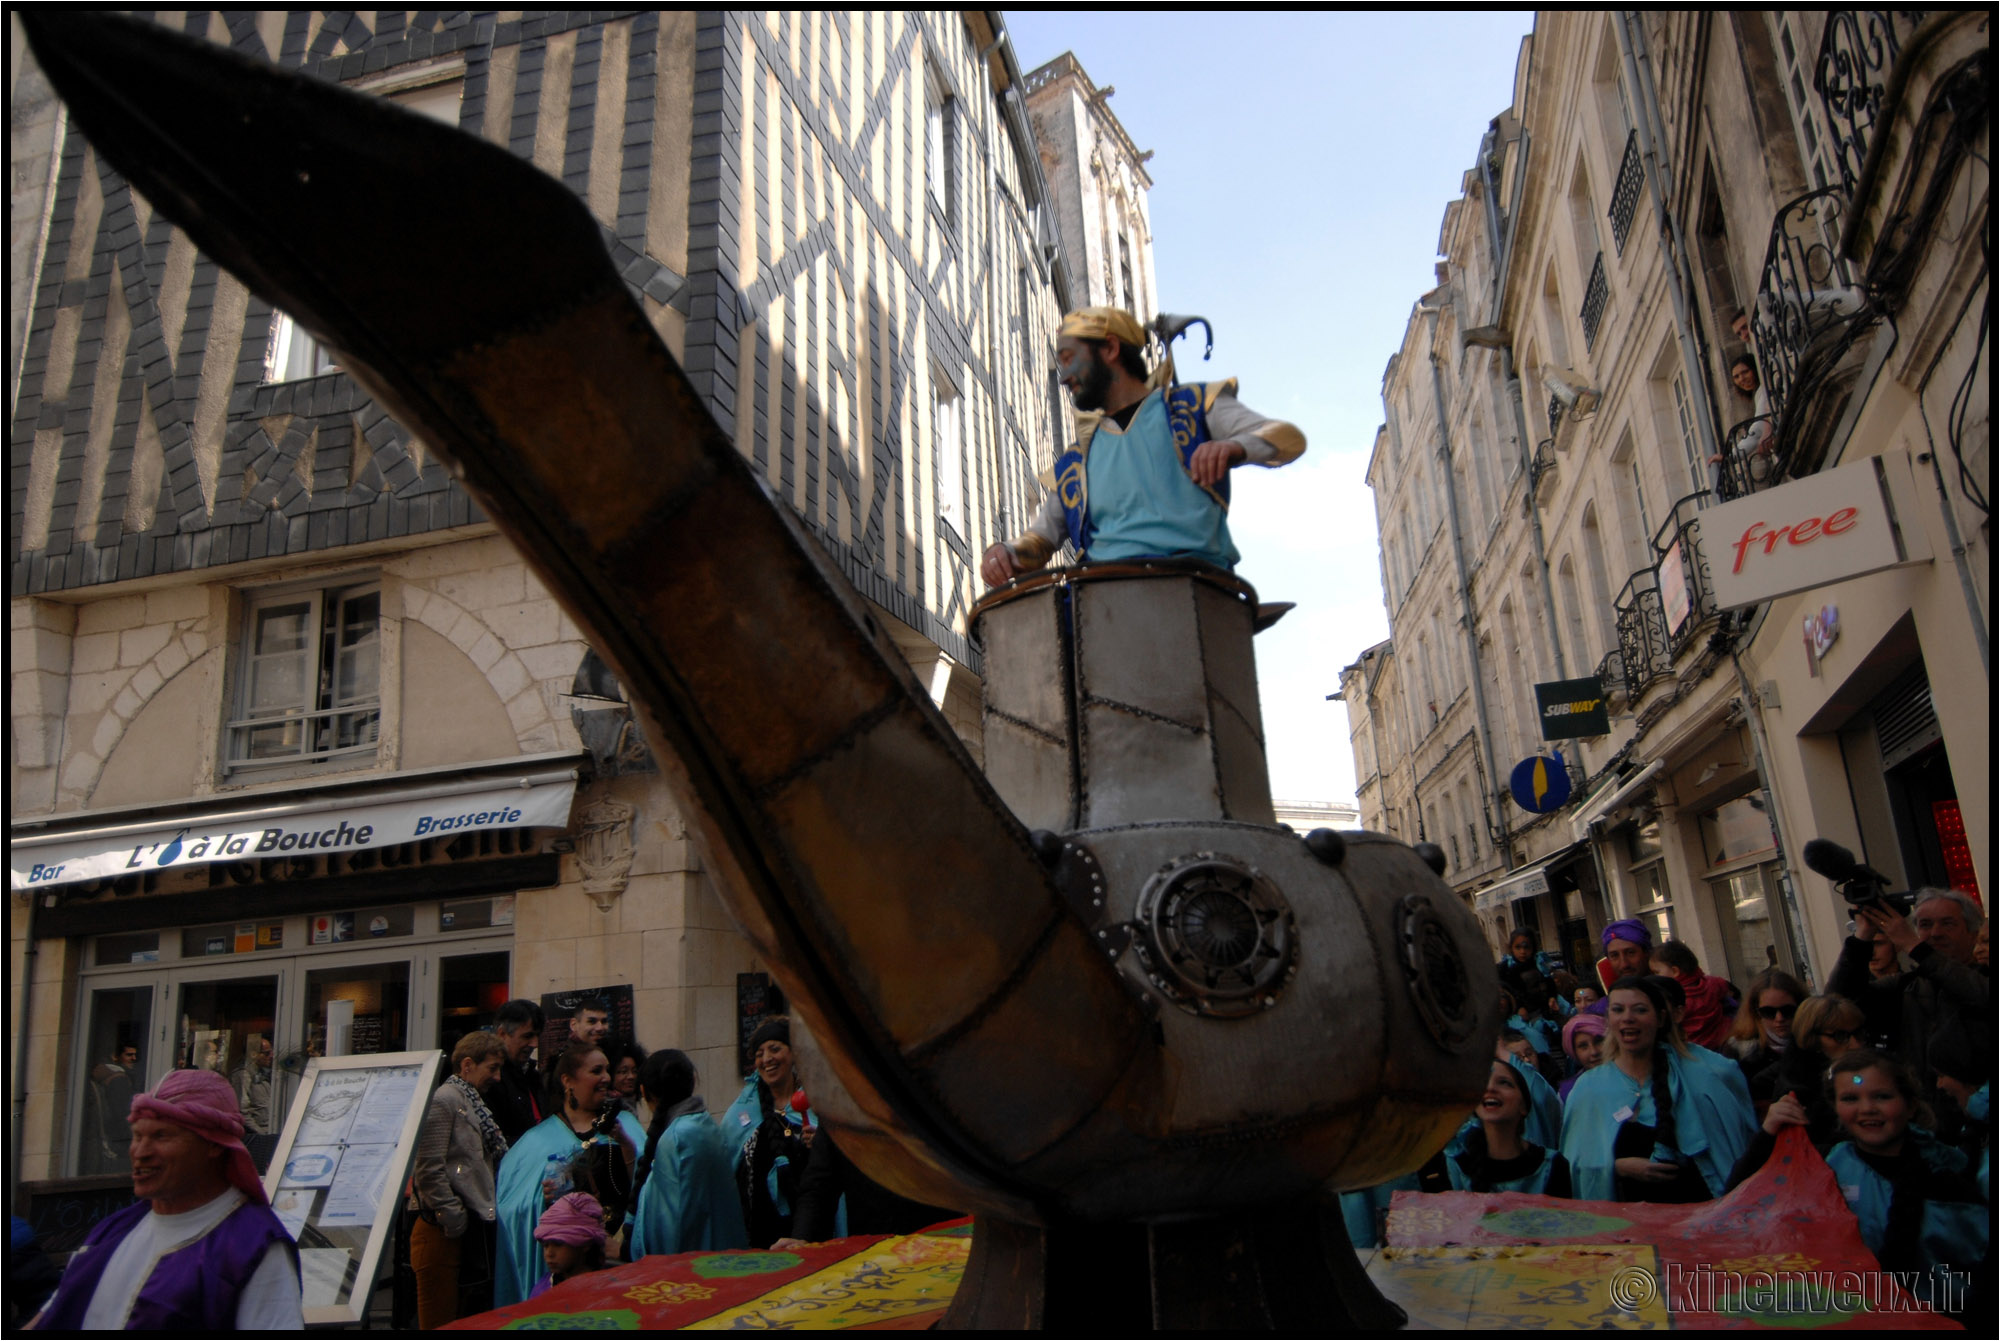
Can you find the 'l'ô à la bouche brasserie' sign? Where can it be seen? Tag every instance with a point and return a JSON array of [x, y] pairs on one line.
[[245, 837]]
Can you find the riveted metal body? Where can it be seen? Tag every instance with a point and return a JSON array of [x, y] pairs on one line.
[[1123, 692]]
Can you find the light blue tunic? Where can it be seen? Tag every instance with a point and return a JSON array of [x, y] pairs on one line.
[[1952, 1235], [1142, 503], [689, 1201]]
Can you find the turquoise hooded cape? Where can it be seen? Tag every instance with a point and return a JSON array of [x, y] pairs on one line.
[[1713, 1119], [1953, 1234], [517, 1201], [689, 1201]]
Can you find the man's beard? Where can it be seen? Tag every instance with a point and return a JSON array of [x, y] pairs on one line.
[[1089, 393]]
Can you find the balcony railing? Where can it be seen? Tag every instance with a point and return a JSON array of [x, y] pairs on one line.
[[1555, 416], [1643, 648], [1595, 294], [1542, 470], [1749, 459], [1611, 674], [1807, 303], [1687, 592], [1855, 55], [1625, 195]]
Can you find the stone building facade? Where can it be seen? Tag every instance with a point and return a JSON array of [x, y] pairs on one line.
[[1570, 485], [245, 600], [1098, 183]]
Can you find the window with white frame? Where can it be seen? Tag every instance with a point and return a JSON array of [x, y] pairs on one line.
[[308, 683], [293, 353], [1798, 80], [938, 139], [1691, 452], [948, 441]]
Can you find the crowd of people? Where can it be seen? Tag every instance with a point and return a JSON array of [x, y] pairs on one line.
[[1657, 1082], [528, 1171], [1670, 1085]]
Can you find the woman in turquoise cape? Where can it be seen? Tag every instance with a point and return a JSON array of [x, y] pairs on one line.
[[537, 1169], [1651, 1123], [1510, 1143], [684, 1197]]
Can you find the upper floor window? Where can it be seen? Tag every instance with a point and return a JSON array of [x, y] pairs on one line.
[[947, 439], [309, 688], [293, 353], [1798, 80], [939, 135]]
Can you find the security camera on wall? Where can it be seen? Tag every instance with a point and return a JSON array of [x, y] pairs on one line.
[[1579, 399]]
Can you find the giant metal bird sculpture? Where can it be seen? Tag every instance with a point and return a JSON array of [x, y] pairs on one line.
[[1138, 1040]]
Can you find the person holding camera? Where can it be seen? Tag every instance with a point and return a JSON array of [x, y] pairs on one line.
[[589, 1144], [1944, 1004], [451, 1186]]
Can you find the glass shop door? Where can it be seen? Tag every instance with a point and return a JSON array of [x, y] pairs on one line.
[[229, 1024]]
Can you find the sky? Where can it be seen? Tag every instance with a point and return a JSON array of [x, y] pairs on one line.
[[1302, 164]]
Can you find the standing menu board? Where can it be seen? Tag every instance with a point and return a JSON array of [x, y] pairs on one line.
[[339, 1171]]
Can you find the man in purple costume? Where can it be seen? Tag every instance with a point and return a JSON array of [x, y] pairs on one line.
[[202, 1250]]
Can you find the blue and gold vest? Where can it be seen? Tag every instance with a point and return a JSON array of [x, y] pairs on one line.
[[1185, 428]]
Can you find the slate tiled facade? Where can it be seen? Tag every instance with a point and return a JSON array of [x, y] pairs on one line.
[[761, 180]]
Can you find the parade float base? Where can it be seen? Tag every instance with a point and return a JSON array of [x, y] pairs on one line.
[[1782, 1251]]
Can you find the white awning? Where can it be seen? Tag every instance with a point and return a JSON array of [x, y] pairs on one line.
[[1604, 803], [1525, 883], [342, 823]]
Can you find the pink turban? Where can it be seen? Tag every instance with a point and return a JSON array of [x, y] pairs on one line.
[[1580, 1024], [576, 1219], [205, 1104]]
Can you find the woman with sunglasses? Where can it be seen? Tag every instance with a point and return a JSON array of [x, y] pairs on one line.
[[1763, 1028], [1823, 1029]]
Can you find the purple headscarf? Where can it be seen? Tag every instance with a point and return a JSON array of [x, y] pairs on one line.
[[1630, 929]]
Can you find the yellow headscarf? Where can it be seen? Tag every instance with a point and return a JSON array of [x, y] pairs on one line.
[[1097, 323]]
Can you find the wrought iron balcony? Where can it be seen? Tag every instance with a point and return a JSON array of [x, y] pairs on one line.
[[1625, 195], [1643, 647], [1687, 592], [1555, 417], [1855, 56], [1611, 674], [1749, 459], [1808, 306], [1595, 294], [1542, 470]]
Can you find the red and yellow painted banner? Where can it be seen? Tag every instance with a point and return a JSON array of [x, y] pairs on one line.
[[1782, 1251], [869, 1282]]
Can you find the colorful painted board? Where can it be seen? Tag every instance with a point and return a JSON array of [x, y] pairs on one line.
[[868, 1282], [1782, 1250]]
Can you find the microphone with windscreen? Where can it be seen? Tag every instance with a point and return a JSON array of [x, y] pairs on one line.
[[1858, 884]]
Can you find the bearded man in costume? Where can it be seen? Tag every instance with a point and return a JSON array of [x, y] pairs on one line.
[[202, 1251], [1149, 474]]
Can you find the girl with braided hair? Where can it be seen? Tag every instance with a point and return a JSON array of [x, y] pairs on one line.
[[1651, 1124], [684, 1198]]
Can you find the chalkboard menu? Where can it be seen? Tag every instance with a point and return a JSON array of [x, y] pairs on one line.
[[366, 1034], [63, 1211], [559, 1008], [340, 1167], [757, 1000]]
